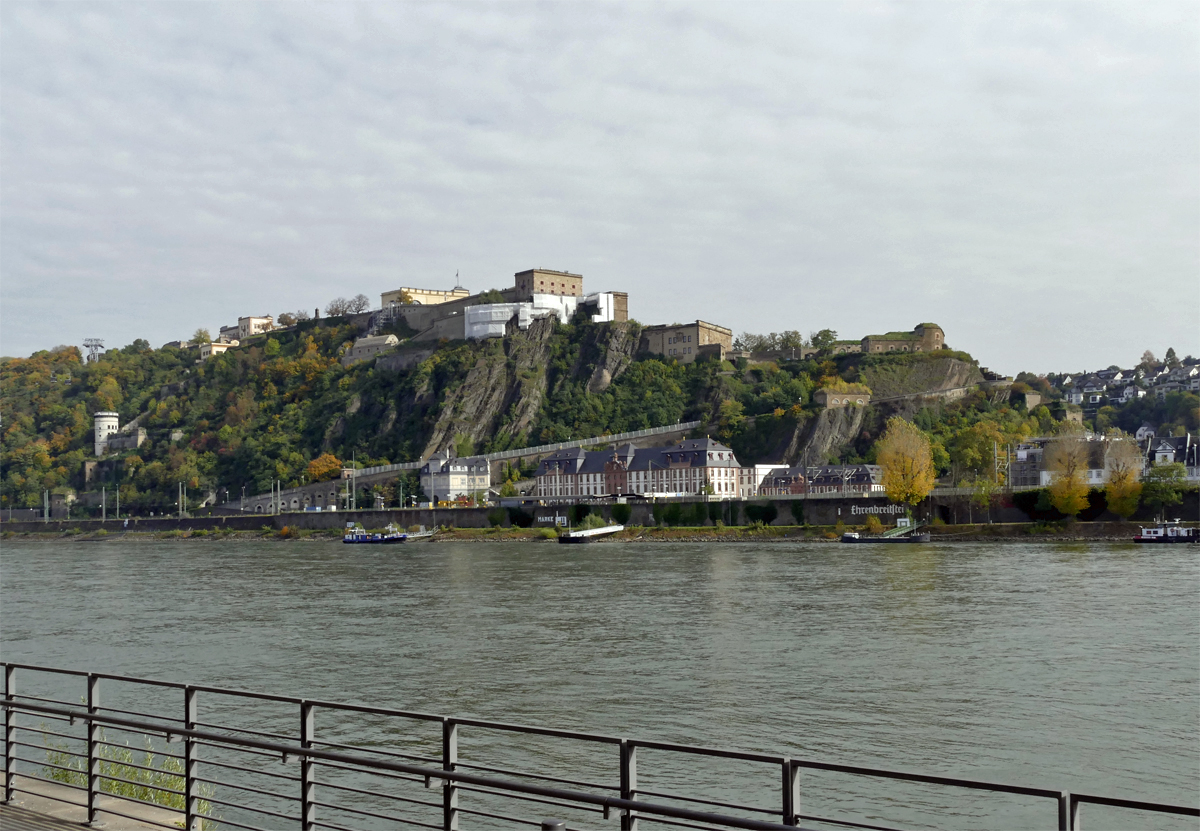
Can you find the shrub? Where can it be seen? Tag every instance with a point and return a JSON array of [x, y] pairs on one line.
[[200, 533], [578, 512], [621, 513], [658, 511], [699, 513], [798, 511], [765, 514], [519, 518], [714, 511], [592, 521], [287, 532], [496, 518], [547, 533], [673, 514], [874, 526]]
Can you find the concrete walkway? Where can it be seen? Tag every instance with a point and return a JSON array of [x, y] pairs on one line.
[[48, 806]]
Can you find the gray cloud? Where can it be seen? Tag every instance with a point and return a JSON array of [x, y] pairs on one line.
[[1024, 174]]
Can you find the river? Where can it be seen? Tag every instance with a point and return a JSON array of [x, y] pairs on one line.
[[1073, 666]]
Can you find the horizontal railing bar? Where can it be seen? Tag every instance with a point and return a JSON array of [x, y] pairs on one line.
[[734, 805], [258, 791], [537, 731], [500, 817], [337, 827], [378, 711], [367, 771], [52, 718], [678, 824], [36, 668], [847, 823], [223, 821], [45, 732], [456, 776], [1136, 805], [538, 776], [164, 754], [328, 784], [17, 758], [137, 713], [247, 731], [745, 755], [231, 743], [139, 819], [55, 781], [359, 811], [927, 778], [47, 700], [55, 798], [143, 784], [230, 766], [363, 749], [250, 808], [590, 810]]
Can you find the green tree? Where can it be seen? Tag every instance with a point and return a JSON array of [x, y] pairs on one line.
[[1163, 486], [201, 335], [823, 339]]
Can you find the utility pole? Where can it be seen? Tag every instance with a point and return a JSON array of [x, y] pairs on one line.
[[103, 503], [118, 501], [45, 506]]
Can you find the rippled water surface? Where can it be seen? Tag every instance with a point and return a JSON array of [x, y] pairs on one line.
[[1072, 666]]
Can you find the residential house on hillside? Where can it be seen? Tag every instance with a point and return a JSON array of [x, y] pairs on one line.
[[444, 478], [365, 349], [687, 341], [690, 468], [250, 326], [1180, 379], [784, 481], [208, 350], [860, 479]]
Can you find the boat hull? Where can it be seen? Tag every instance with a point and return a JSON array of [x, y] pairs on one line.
[[887, 540], [381, 541], [565, 540], [1167, 540]]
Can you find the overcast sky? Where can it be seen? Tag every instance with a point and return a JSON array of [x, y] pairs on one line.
[[1027, 175]]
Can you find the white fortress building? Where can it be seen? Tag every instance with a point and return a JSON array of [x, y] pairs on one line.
[[106, 424]]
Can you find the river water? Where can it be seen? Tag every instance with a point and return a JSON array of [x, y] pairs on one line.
[[1069, 666]]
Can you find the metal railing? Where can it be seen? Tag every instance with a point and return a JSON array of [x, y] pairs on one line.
[[254, 788]]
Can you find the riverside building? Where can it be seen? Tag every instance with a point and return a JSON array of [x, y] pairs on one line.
[[693, 467]]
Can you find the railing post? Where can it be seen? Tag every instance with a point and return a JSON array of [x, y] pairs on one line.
[[628, 782], [1068, 812], [191, 764], [449, 760], [93, 750], [10, 732], [308, 773], [791, 793]]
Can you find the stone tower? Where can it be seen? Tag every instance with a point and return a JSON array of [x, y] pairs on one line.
[[106, 424]]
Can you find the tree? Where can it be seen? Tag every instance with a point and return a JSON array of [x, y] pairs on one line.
[[358, 303], [790, 339], [1171, 359], [729, 417], [286, 319], [1163, 486], [906, 457], [823, 339], [337, 307], [324, 467], [201, 336], [1124, 461], [1067, 458], [1148, 361]]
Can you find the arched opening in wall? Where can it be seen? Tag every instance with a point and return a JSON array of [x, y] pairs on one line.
[[258, 509], [295, 502]]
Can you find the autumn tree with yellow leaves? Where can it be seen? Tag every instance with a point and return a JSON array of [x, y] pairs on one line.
[[906, 457], [1067, 460]]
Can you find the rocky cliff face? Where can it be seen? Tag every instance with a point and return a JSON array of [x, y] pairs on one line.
[[825, 435], [944, 376], [502, 394]]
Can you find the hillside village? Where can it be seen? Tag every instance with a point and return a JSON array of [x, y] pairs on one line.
[[514, 374]]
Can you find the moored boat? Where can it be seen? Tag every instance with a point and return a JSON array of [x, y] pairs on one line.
[[360, 536], [1168, 532], [586, 536], [859, 538]]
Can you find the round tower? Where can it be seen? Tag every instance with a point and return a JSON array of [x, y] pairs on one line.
[[106, 424]]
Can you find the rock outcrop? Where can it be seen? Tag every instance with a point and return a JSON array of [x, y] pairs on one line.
[[821, 437]]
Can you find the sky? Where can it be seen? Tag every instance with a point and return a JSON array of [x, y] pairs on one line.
[[1026, 175]]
